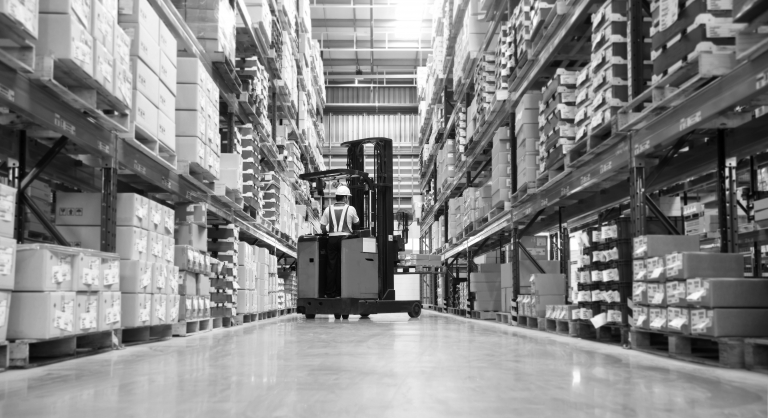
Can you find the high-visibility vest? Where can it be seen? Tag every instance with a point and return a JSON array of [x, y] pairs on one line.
[[338, 224]]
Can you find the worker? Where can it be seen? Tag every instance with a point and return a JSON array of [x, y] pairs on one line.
[[337, 222]]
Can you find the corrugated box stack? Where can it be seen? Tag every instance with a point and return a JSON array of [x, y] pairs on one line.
[[224, 246], [557, 111], [197, 115], [584, 95], [527, 134], [537, 247], [261, 17], [446, 162], [193, 262], [462, 129], [7, 254], [213, 23], [522, 25], [501, 181], [485, 87], [247, 271], [486, 286], [251, 167], [505, 52]]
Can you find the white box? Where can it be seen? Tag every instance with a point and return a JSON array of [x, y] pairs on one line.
[[132, 210], [78, 209], [110, 310], [144, 113], [145, 80], [191, 148], [143, 45], [140, 11], [81, 9], [159, 313], [167, 73], [123, 83], [104, 68], [132, 243], [166, 103], [190, 97], [26, 15], [167, 43], [189, 70], [41, 315], [166, 131], [122, 45], [64, 37], [136, 309], [88, 237], [191, 123], [86, 312], [135, 276], [103, 25]]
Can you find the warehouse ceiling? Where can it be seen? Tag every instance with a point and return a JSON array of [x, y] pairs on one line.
[[401, 39]]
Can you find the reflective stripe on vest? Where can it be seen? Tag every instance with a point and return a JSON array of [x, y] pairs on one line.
[[342, 219]]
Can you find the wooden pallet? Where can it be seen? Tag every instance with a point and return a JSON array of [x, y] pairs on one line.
[[146, 334], [722, 352], [503, 317], [29, 353], [192, 327], [484, 315], [241, 319], [17, 49], [4, 356], [756, 354], [608, 334], [72, 85], [531, 322], [560, 326], [151, 146]]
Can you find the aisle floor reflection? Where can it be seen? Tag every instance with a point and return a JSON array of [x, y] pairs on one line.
[[388, 366]]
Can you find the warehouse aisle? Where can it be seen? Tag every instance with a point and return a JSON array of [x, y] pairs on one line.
[[435, 366]]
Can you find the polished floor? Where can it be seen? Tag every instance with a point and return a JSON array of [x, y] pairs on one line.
[[390, 366]]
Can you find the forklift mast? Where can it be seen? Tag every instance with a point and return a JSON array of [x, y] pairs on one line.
[[381, 204]]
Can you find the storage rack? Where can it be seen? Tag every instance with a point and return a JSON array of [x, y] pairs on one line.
[[87, 154], [636, 154]]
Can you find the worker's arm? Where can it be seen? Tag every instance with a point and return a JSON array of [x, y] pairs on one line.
[[353, 217], [324, 222]]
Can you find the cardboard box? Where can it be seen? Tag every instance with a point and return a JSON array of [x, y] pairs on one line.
[[192, 149], [188, 284], [41, 315], [691, 265], [132, 243], [143, 45], [156, 251], [166, 131], [168, 244], [661, 245], [167, 73], [656, 295], [190, 97], [26, 15], [44, 267], [136, 309], [548, 284], [193, 235], [110, 310], [78, 209], [641, 317], [135, 276], [5, 308], [132, 210], [203, 285], [167, 103], [7, 210], [110, 272], [726, 322], [104, 68], [102, 25], [144, 113], [173, 308], [657, 319], [88, 237], [7, 263], [156, 212], [168, 221], [80, 9], [122, 46], [675, 292], [727, 293], [160, 279], [123, 83], [86, 275], [189, 70], [191, 124], [168, 44], [159, 312], [86, 312], [140, 12], [678, 320]]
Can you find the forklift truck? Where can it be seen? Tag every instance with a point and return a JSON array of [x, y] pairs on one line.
[[369, 255]]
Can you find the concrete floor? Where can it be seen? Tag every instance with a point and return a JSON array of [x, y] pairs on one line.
[[389, 366]]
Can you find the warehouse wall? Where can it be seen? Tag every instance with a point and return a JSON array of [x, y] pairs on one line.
[[383, 95], [401, 128]]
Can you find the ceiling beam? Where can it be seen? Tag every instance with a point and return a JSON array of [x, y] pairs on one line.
[[363, 24], [361, 45], [342, 76], [379, 62]]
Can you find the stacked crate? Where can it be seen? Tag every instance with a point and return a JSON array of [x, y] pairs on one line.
[[213, 23], [540, 12], [197, 114], [501, 181], [193, 262], [471, 206], [288, 70], [468, 43], [270, 189], [485, 87], [462, 126], [609, 79], [247, 270], [522, 26], [584, 95], [251, 165], [527, 135], [504, 56], [224, 246], [446, 161], [682, 31], [557, 111], [455, 211], [261, 16]]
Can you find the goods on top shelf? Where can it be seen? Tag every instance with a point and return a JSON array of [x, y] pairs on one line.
[[213, 23]]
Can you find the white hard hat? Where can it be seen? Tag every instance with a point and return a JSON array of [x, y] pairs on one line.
[[343, 191]]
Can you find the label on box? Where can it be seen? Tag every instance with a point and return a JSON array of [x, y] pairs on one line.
[[657, 272], [195, 305], [141, 244], [678, 322], [161, 280], [668, 12], [3, 311], [113, 314], [719, 4], [160, 310], [90, 276], [156, 217], [6, 261], [610, 275], [724, 30], [6, 208], [61, 273], [640, 319], [700, 320], [82, 9], [188, 303], [657, 298], [112, 273], [141, 211], [144, 315], [207, 303], [169, 254], [146, 279], [157, 248], [658, 322], [169, 224], [63, 318]]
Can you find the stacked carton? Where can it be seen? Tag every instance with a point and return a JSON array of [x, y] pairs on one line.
[[486, 285], [153, 66], [462, 126], [251, 167], [584, 95], [193, 263], [7, 254], [247, 271], [521, 31], [505, 52], [537, 247], [527, 134], [212, 22], [485, 87], [446, 162], [224, 245], [501, 182], [261, 17], [468, 42], [197, 115], [557, 111]]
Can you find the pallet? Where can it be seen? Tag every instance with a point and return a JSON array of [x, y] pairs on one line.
[[756, 354], [146, 334], [194, 170], [484, 315], [419, 269], [607, 334], [503, 317], [226, 68], [151, 146], [232, 197], [217, 322], [241, 319], [18, 46], [192, 327], [531, 322], [29, 353], [721, 352], [561, 326], [72, 85], [4, 356]]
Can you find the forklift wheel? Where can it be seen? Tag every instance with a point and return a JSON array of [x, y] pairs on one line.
[[365, 315], [345, 316], [310, 316], [415, 310], [337, 316]]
